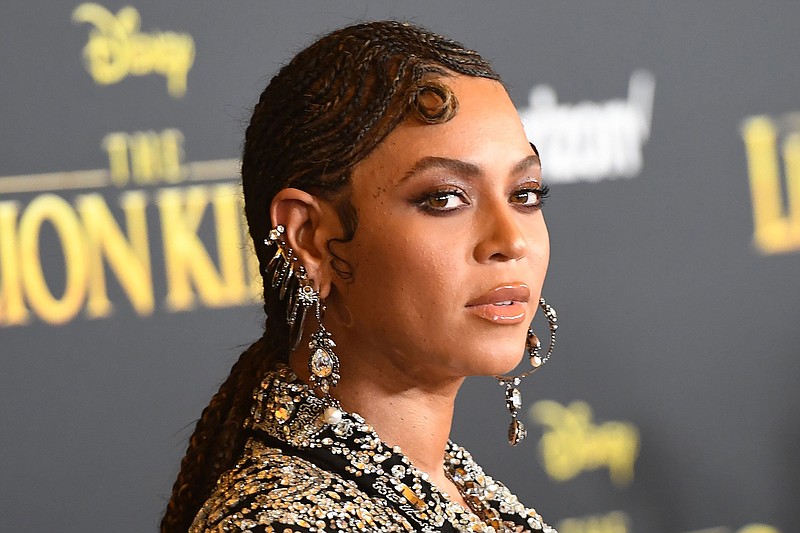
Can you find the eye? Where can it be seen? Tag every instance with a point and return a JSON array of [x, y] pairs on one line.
[[532, 197], [442, 201]]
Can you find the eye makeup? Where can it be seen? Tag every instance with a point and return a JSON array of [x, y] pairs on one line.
[[448, 199]]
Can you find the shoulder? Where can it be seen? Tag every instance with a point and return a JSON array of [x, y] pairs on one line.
[[270, 491]]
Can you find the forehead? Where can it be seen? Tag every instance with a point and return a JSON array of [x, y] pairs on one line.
[[485, 132]]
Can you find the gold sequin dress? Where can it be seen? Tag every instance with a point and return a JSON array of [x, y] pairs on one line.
[[299, 474]]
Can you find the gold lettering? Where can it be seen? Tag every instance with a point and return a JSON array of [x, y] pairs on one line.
[[117, 48], [52, 208], [791, 159], [171, 151], [187, 260], [116, 146], [147, 157], [93, 244], [229, 240], [129, 258], [12, 305], [613, 522], [255, 285], [775, 229], [758, 528], [572, 443]]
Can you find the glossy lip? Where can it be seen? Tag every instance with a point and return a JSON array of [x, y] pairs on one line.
[[505, 304]]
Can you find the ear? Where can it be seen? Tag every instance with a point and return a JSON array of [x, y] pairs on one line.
[[310, 223]]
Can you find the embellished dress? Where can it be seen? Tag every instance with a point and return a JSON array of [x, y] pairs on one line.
[[299, 474]]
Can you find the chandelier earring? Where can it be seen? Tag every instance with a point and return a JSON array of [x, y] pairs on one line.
[[516, 430], [291, 279]]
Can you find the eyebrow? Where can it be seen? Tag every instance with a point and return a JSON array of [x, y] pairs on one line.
[[463, 168]]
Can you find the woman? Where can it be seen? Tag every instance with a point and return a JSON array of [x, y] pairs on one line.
[[394, 203]]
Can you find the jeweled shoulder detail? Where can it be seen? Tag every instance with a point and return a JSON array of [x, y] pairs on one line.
[[472, 480], [286, 410], [270, 491]]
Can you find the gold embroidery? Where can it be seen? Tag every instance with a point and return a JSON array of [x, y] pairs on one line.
[[375, 487]]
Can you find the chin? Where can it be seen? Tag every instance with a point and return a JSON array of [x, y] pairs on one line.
[[500, 358], [512, 365]]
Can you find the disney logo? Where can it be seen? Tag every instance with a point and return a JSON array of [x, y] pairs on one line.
[[573, 443], [117, 48]]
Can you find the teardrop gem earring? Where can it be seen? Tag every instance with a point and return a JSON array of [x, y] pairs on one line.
[[323, 365]]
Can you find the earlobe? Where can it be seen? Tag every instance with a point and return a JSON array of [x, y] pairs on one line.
[[303, 217]]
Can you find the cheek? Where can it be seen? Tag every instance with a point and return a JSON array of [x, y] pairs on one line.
[[407, 270], [539, 246]]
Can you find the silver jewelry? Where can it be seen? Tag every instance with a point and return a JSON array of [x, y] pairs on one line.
[[323, 363], [283, 274], [516, 430], [323, 366], [280, 269]]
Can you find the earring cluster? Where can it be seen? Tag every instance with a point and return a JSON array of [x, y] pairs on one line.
[[289, 278], [516, 430]]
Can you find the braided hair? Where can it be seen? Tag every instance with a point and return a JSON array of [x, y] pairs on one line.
[[321, 114]]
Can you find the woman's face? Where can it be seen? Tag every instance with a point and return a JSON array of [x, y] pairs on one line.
[[451, 248]]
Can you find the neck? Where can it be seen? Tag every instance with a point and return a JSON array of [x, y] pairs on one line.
[[415, 419], [413, 414]]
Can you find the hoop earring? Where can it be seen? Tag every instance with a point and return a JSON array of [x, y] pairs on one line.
[[516, 430], [323, 363]]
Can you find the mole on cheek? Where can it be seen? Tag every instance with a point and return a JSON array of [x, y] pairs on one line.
[[378, 192]]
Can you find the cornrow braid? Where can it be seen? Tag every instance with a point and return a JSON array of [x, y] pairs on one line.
[[321, 114]]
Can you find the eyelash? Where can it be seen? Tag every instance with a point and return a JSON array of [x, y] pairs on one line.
[[422, 202], [543, 193]]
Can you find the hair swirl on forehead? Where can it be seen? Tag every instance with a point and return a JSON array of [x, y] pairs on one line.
[[338, 99], [321, 114], [434, 102]]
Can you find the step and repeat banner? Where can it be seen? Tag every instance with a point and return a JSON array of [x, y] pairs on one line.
[[670, 136]]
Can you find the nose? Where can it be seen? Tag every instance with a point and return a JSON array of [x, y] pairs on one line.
[[502, 234]]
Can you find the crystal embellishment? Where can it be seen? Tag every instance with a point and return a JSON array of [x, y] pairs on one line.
[[321, 363], [513, 399], [516, 432], [284, 409], [533, 343], [274, 234]]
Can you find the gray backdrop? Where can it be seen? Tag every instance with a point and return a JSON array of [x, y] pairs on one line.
[[671, 134]]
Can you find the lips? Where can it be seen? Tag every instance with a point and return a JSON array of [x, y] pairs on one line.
[[505, 304]]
